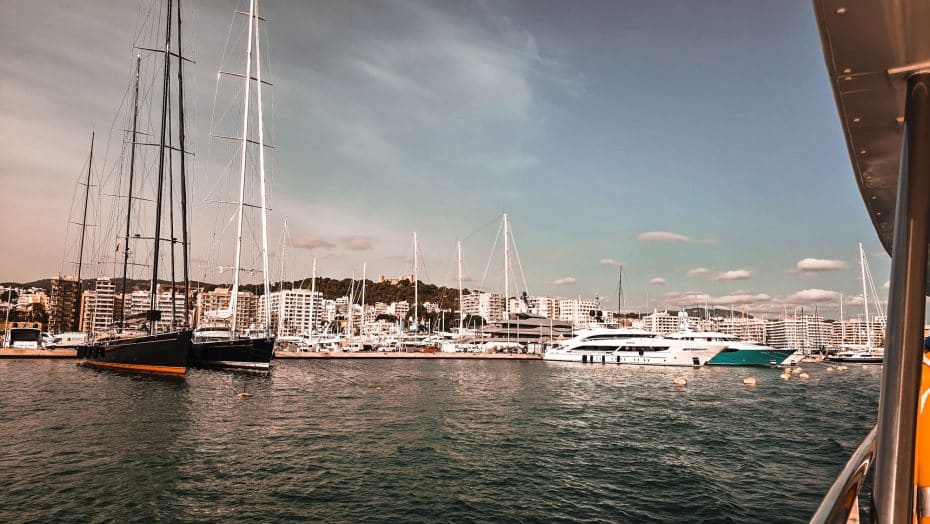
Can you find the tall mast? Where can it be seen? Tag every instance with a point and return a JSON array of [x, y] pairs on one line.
[[185, 242], [458, 248], [349, 307], [842, 323], [416, 281], [261, 158], [313, 299], [132, 174], [234, 296], [161, 173], [506, 268], [281, 287], [364, 278], [865, 297], [620, 294], [90, 161]]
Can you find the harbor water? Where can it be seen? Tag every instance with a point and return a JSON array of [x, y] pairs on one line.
[[436, 440]]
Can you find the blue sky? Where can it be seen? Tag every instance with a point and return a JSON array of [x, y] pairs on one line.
[[590, 124]]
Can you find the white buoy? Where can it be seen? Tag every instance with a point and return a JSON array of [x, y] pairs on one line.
[[841, 368], [829, 369], [796, 371], [681, 381], [804, 376], [785, 376], [750, 381], [244, 395]]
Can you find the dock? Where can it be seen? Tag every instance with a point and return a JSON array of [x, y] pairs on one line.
[[405, 355], [37, 353]]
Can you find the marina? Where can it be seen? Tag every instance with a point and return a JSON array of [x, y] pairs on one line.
[[252, 309]]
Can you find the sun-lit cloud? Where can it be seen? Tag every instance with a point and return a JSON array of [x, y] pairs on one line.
[[658, 281], [813, 296], [357, 242], [312, 242], [819, 264], [886, 285], [611, 262], [564, 281], [696, 298], [734, 274], [698, 271], [670, 237], [663, 236]]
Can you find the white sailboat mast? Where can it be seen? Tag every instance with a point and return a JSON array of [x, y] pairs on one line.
[[313, 299], [281, 293], [506, 267], [458, 246], [234, 296], [416, 280], [364, 277], [865, 297], [261, 163]]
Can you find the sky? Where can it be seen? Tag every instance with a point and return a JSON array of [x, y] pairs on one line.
[[695, 143]]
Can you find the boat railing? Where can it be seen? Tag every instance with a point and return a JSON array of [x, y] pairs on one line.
[[841, 503]]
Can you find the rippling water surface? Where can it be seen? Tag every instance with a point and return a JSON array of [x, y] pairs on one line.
[[437, 440]]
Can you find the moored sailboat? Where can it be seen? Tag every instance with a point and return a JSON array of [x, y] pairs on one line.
[[152, 345], [224, 345]]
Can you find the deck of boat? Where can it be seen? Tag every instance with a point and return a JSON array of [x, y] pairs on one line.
[[37, 353]]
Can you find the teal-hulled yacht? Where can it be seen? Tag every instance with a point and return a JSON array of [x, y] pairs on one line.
[[737, 352]]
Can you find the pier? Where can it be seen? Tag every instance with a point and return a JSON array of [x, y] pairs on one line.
[[37, 353], [402, 355]]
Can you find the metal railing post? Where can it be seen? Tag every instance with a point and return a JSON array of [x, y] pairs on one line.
[[893, 491]]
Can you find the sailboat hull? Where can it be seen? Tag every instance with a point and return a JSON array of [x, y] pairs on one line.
[[240, 353], [165, 353]]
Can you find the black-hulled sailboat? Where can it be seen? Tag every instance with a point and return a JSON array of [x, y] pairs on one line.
[[220, 342], [144, 342]]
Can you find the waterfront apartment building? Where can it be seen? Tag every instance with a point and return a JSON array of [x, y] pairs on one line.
[[296, 311], [662, 323], [489, 306], [807, 332], [64, 305], [28, 297], [547, 307], [749, 329], [98, 307], [218, 300], [578, 310], [856, 332], [172, 312], [398, 309]]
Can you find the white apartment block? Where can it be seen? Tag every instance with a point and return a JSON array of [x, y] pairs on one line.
[[31, 296], [662, 323], [807, 332], [749, 329], [295, 310], [489, 306], [140, 303], [856, 332], [218, 300], [398, 309], [97, 307], [578, 310], [547, 307]]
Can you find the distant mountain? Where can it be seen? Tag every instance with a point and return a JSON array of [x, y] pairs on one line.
[[331, 289]]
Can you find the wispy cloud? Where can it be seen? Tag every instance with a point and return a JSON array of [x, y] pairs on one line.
[[734, 274], [699, 271], [668, 236], [312, 242], [692, 298], [357, 242], [611, 262], [813, 296], [813, 265], [564, 281], [658, 281]]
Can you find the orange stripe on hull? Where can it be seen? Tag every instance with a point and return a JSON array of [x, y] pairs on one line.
[[166, 370]]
